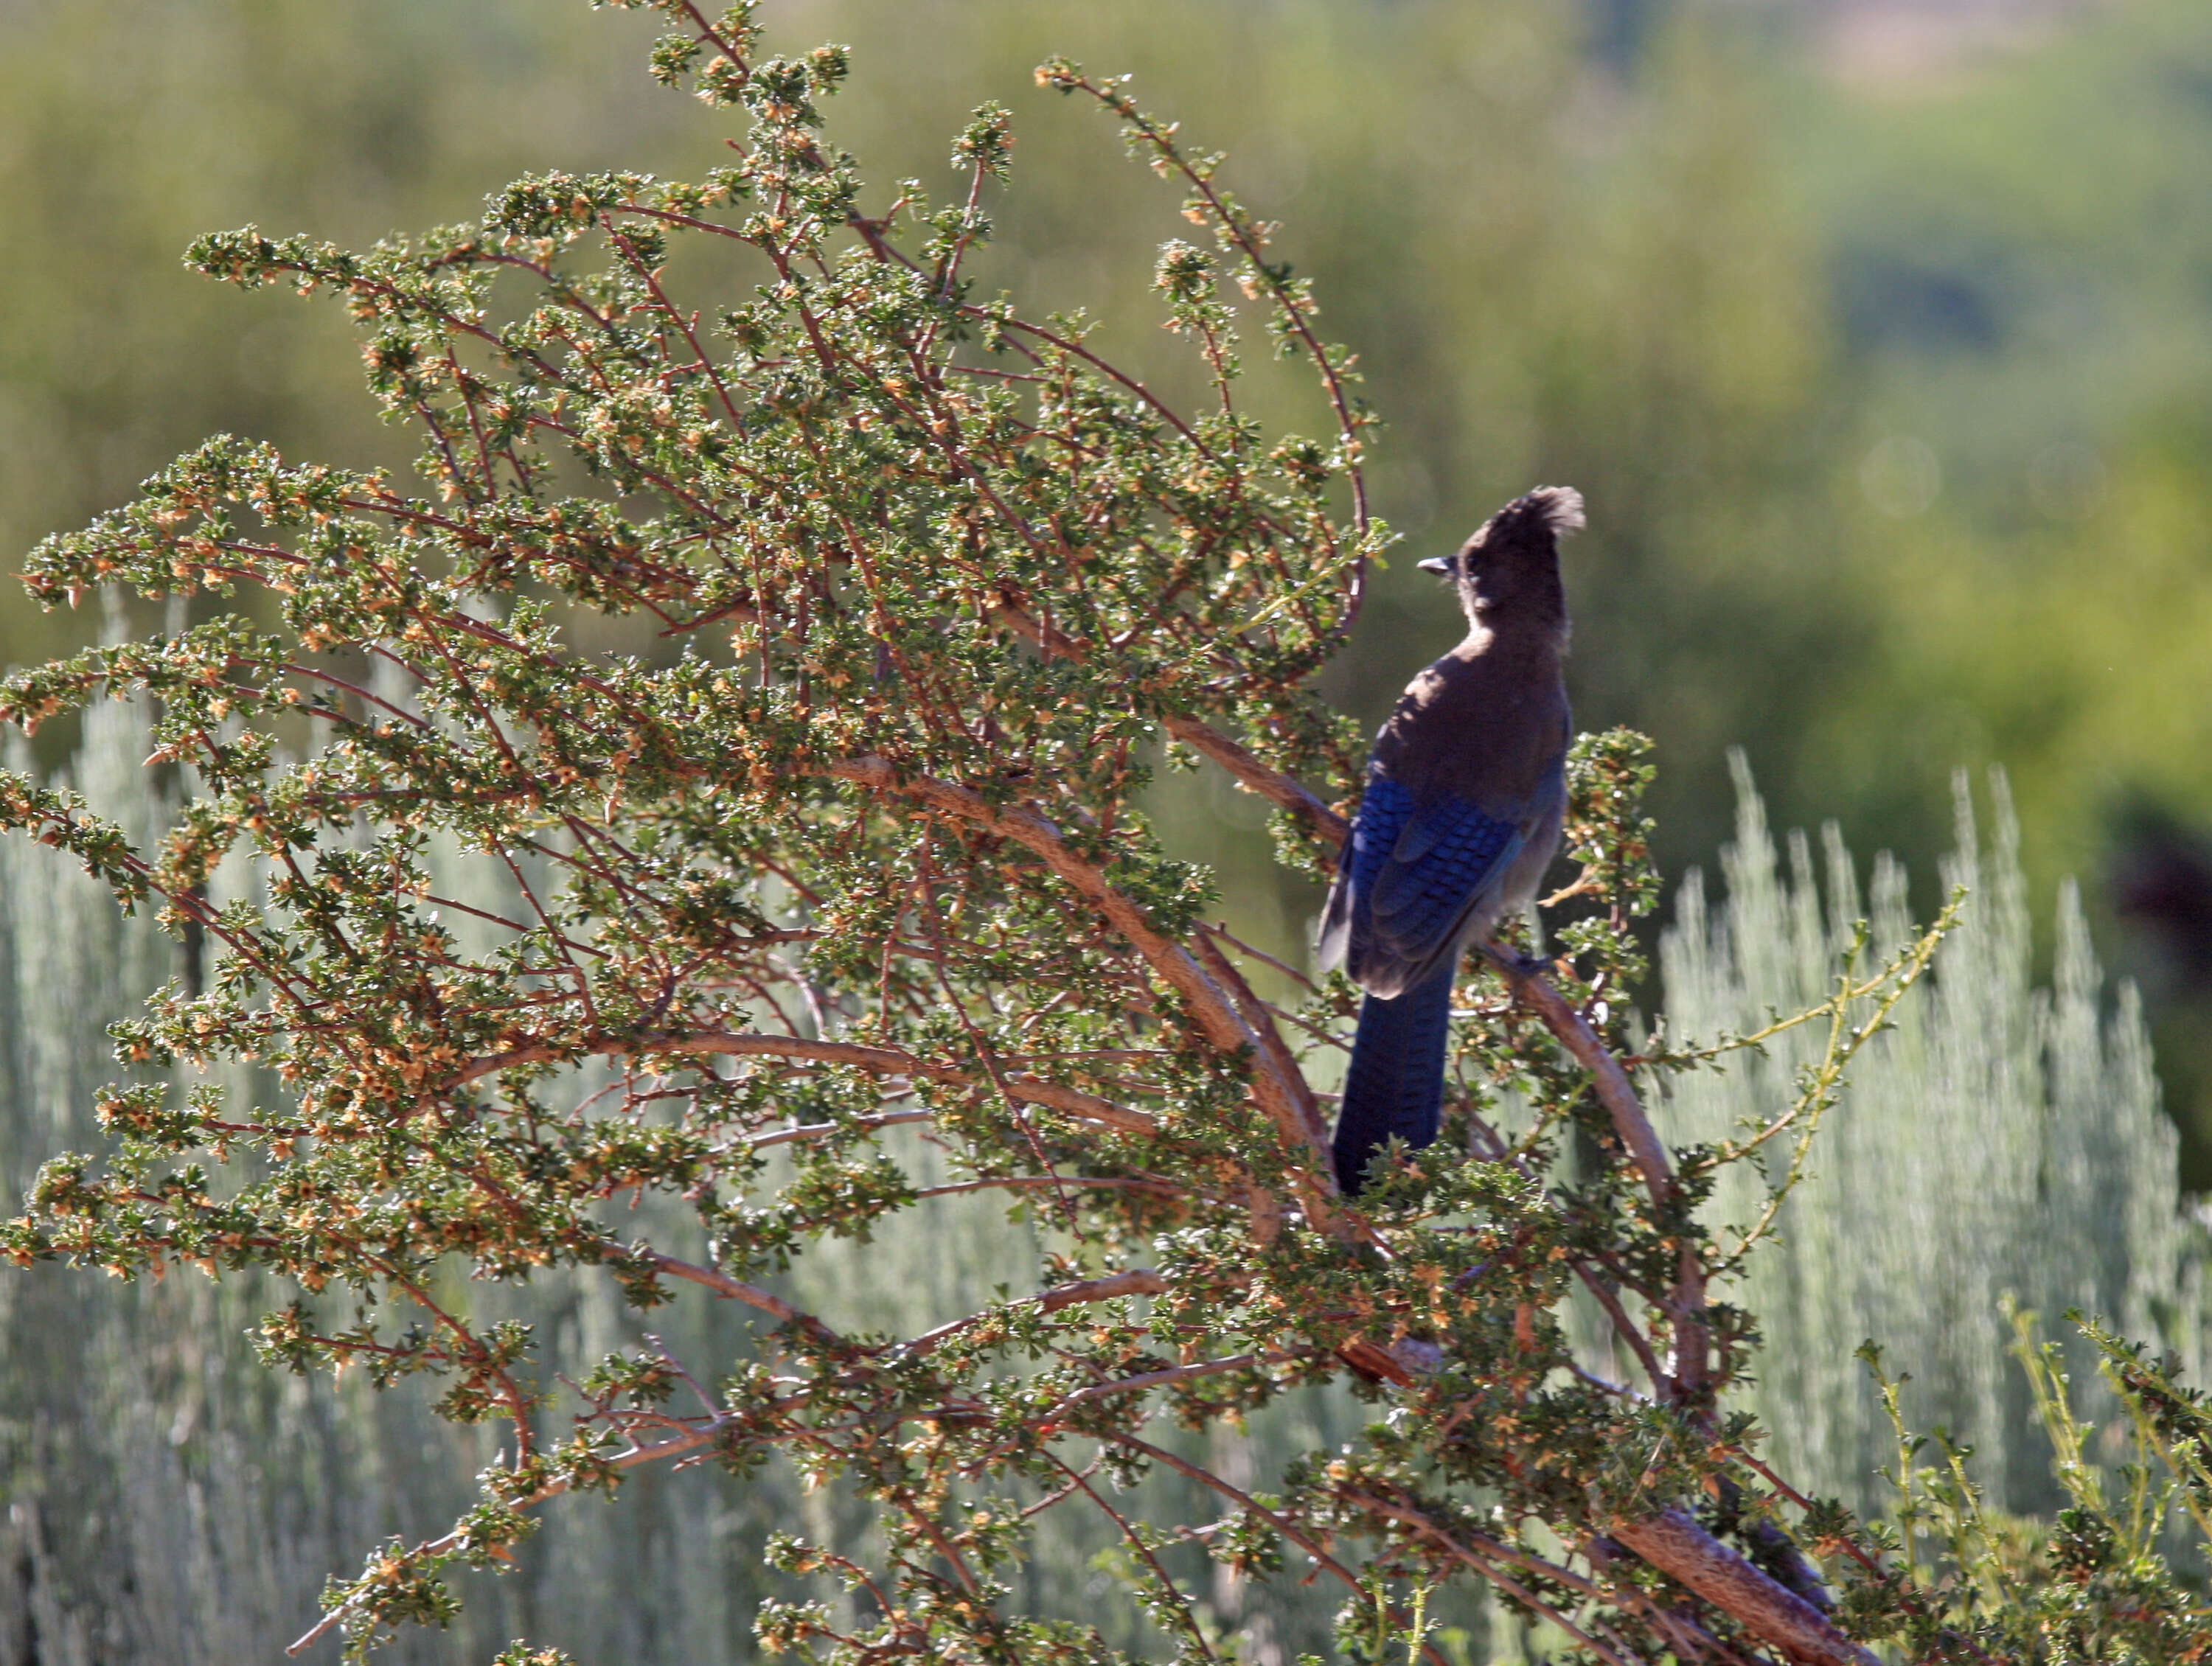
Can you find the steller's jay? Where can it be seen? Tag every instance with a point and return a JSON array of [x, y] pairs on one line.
[[1466, 792]]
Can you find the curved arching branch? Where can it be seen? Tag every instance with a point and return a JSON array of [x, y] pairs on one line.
[[1283, 790], [1281, 1092]]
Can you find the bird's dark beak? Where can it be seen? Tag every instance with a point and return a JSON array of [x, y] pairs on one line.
[[1439, 564]]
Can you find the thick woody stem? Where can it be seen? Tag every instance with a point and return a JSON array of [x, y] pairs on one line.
[[1137, 1281], [1484, 1554], [1674, 1544], [1677, 1546]]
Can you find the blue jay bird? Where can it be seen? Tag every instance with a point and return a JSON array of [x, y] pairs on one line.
[[1466, 792]]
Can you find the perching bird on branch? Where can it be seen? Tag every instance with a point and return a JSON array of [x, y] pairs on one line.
[[1466, 792]]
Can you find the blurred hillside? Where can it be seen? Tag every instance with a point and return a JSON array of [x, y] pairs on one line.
[[1877, 334]]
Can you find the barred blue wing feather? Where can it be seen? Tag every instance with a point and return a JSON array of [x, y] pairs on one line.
[[1448, 856], [1413, 874]]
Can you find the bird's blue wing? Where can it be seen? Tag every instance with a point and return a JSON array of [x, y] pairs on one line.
[[1416, 871], [1385, 809]]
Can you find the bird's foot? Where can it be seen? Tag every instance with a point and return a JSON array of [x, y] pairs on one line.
[[1535, 966]]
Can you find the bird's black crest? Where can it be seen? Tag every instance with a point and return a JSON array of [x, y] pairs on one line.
[[1535, 521], [1557, 510]]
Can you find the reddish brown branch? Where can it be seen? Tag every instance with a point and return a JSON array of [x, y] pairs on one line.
[[1137, 1281], [1284, 1097], [1674, 1544], [1256, 776], [736, 1289]]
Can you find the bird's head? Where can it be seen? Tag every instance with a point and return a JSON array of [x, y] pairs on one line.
[[1508, 571]]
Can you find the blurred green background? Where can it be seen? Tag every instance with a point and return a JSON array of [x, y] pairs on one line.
[[1877, 335]]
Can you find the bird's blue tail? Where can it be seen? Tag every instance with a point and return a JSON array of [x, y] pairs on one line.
[[1396, 1081]]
